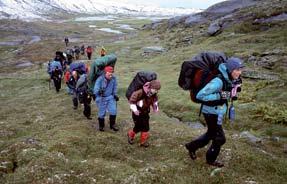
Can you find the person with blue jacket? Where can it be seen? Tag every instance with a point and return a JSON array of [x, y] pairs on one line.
[[105, 91], [55, 72], [219, 90]]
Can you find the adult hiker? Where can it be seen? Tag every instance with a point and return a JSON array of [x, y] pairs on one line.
[[55, 72], [78, 85], [97, 68], [140, 102], [89, 51], [66, 41], [214, 96], [83, 50], [103, 52], [105, 91], [77, 52]]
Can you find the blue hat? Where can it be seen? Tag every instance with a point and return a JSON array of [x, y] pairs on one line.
[[233, 63]]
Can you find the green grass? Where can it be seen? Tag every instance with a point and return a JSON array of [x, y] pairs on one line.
[[64, 147]]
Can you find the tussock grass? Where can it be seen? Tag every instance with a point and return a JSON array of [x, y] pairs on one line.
[[43, 140]]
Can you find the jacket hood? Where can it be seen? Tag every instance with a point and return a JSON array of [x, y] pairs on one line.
[[223, 70]]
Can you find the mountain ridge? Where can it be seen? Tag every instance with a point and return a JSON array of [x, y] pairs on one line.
[[29, 9]]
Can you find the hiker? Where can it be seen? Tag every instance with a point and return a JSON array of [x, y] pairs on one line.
[[66, 41], [78, 85], [83, 50], [140, 102], [103, 52], [77, 52], [216, 91], [97, 68], [55, 72], [105, 91], [89, 51]]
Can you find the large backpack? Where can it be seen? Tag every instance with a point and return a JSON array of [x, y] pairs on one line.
[[139, 80], [79, 67], [200, 70], [98, 66], [81, 88]]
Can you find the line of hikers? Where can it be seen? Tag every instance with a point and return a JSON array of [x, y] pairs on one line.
[[212, 79]]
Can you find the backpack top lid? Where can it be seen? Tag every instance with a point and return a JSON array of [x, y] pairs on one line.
[[79, 67], [206, 62], [139, 80]]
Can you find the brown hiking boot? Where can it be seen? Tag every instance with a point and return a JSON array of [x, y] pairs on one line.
[[216, 164]]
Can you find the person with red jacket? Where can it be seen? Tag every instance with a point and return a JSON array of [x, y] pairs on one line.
[[89, 51], [140, 102]]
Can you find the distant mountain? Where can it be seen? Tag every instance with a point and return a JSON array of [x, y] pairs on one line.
[[43, 9]]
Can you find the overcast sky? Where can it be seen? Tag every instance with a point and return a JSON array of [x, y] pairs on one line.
[[202, 4]]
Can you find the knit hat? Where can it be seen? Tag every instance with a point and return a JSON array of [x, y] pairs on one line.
[[155, 84], [109, 69], [233, 63]]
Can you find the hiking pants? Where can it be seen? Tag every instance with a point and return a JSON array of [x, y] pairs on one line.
[[141, 122], [106, 104], [214, 133], [87, 106], [89, 55], [75, 99]]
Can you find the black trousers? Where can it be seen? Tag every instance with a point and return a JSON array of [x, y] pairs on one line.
[[214, 133], [141, 122]]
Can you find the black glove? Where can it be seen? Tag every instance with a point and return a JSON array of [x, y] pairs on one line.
[[101, 92], [225, 95], [116, 97]]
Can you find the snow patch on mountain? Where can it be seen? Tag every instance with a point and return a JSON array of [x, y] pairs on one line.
[[43, 9]]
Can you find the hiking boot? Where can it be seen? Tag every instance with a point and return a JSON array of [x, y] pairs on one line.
[[114, 128], [101, 124], [216, 164], [144, 139], [101, 129], [131, 136], [144, 144], [113, 122], [191, 152], [89, 118], [75, 107], [131, 140]]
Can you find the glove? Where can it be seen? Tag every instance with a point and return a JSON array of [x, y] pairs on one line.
[[225, 95], [155, 107], [116, 98], [134, 108]]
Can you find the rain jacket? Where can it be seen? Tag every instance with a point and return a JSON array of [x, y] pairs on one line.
[[212, 91]]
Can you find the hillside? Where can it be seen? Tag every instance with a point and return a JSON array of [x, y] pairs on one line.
[[43, 140]]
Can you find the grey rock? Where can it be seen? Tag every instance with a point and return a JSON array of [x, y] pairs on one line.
[[250, 137], [24, 64], [175, 21], [153, 50], [195, 125], [214, 28], [253, 74], [277, 18], [34, 39], [195, 19], [227, 7]]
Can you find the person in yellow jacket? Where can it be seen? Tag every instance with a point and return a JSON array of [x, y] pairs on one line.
[[103, 52]]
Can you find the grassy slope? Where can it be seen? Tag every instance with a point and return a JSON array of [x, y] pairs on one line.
[[68, 149]]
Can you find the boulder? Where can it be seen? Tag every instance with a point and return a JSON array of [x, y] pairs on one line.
[[214, 28], [250, 137], [153, 50]]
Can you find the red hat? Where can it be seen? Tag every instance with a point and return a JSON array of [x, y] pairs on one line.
[[109, 69]]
